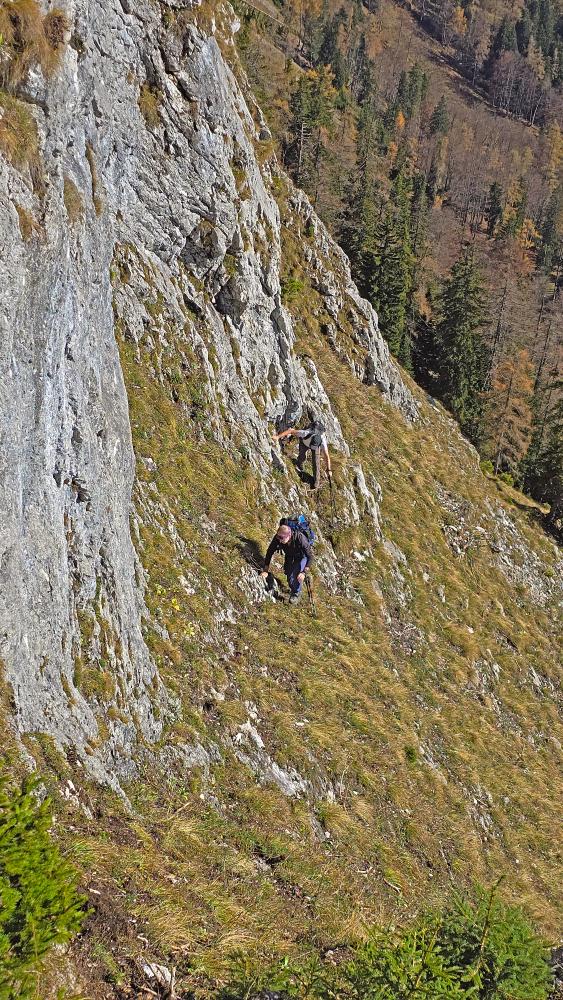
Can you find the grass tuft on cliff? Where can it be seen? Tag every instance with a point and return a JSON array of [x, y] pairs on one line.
[[30, 39]]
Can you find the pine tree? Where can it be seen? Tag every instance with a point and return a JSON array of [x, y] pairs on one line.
[[419, 215], [462, 354], [514, 211], [494, 207], [360, 70], [437, 173], [495, 946], [356, 229], [300, 128], [551, 231], [505, 40], [411, 90], [439, 120], [357, 226], [39, 902], [313, 21], [543, 464], [524, 30], [389, 268], [330, 53], [312, 110], [551, 469]]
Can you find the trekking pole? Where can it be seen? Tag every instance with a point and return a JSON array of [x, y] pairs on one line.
[[310, 593], [332, 500]]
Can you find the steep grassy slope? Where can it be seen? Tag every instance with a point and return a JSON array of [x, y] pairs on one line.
[[318, 769], [333, 768]]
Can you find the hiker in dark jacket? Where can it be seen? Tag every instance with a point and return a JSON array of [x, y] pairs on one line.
[[298, 556], [312, 438]]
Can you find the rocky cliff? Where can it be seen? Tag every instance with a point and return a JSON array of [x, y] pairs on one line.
[[168, 300], [158, 227]]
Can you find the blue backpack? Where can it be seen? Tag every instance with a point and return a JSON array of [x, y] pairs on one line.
[[300, 523]]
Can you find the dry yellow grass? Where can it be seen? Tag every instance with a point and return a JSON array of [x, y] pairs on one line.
[[149, 106], [74, 203], [29, 227], [30, 39], [19, 140]]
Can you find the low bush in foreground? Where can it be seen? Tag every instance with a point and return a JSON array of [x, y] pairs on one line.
[[39, 902], [477, 947]]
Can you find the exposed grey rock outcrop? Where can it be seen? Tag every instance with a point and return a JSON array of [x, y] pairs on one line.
[[174, 241]]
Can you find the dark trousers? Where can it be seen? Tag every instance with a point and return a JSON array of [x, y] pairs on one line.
[[292, 572], [315, 459]]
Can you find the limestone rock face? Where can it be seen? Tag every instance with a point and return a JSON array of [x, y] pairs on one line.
[[156, 218]]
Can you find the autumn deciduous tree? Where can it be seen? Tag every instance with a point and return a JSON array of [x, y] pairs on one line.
[[508, 412]]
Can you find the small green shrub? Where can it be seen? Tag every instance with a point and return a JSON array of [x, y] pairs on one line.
[[476, 949], [230, 264], [290, 289], [496, 945], [487, 467], [39, 902], [507, 477], [411, 755]]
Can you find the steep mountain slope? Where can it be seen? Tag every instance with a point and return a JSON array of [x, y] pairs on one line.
[[279, 777]]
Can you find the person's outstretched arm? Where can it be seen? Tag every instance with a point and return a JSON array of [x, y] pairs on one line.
[[272, 549], [284, 434]]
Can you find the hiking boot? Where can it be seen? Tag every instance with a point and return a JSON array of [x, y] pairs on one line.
[[296, 597]]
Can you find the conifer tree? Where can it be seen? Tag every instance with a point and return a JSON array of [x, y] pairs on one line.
[[514, 211], [543, 463], [462, 353], [550, 483], [504, 41], [39, 902], [524, 29], [551, 248], [312, 110], [358, 220], [389, 273], [494, 207], [439, 120], [330, 53]]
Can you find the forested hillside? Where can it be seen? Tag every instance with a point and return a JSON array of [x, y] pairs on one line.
[[429, 139]]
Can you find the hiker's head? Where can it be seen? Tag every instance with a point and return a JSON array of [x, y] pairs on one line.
[[317, 424], [283, 534]]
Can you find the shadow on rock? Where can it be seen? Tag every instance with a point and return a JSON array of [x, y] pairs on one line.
[[251, 551]]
